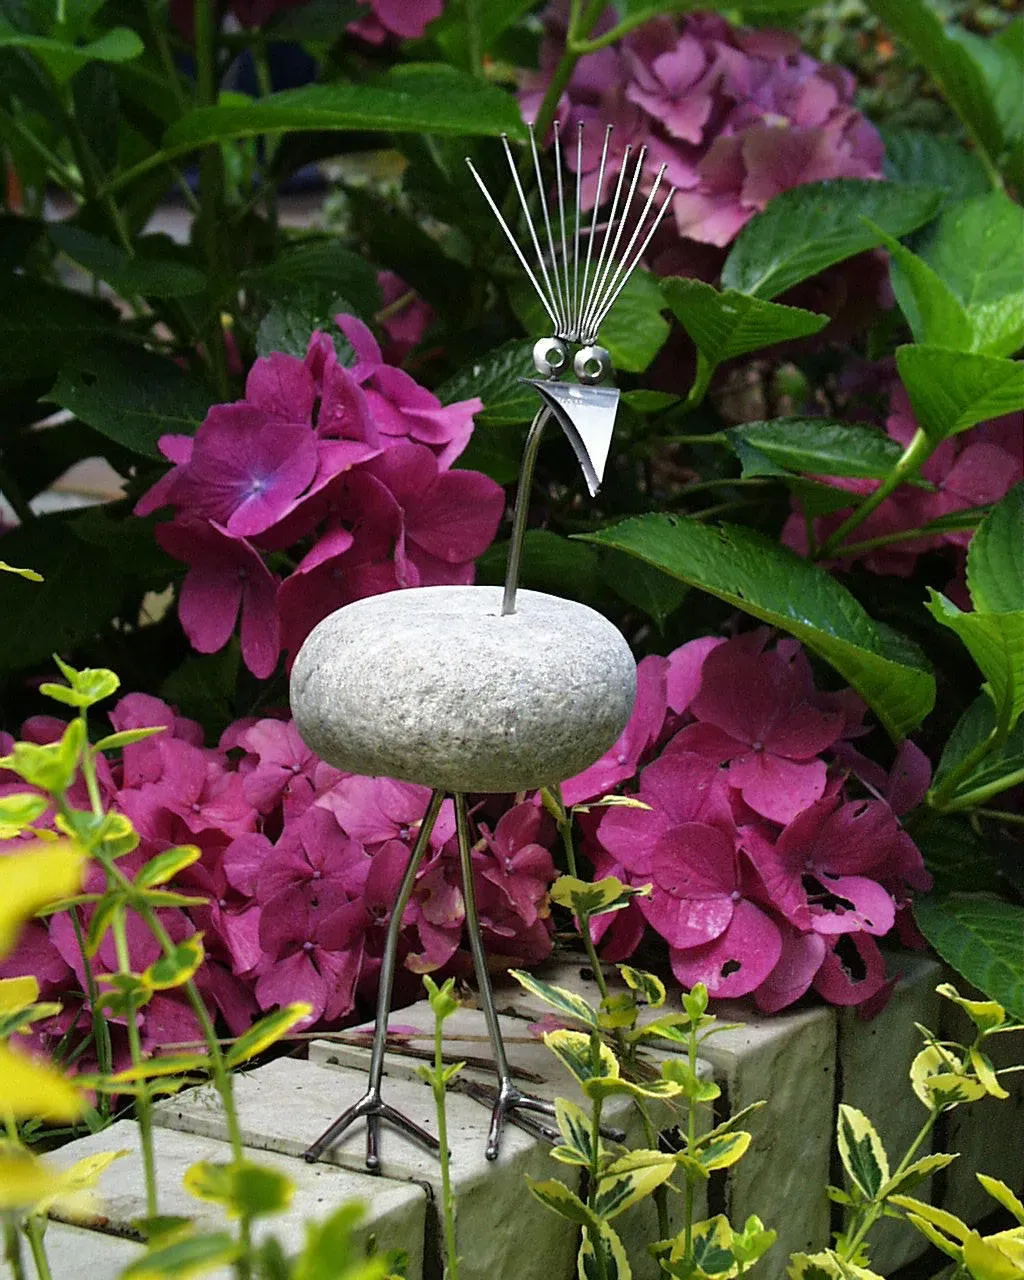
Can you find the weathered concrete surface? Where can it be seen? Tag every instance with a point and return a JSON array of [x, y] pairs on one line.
[[434, 686], [496, 1214], [395, 1210], [74, 1252]]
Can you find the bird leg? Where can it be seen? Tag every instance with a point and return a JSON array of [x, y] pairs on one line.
[[371, 1105], [509, 1097]]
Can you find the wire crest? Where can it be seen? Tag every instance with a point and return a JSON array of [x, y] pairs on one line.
[[577, 288]]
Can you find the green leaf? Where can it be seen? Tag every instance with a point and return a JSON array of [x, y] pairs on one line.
[[622, 1186], [290, 322], [826, 1265], [452, 31], [550, 562], [203, 688], [983, 939], [183, 1259], [127, 737], [497, 379], [142, 272], [951, 391], [861, 1151], [556, 1195], [919, 27], [414, 98], [131, 396], [1000, 61], [40, 322], [996, 643], [267, 1031], [932, 309], [648, 986], [811, 227], [995, 557], [165, 866], [585, 1060], [176, 969], [62, 60], [318, 265], [729, 324], [954, 853], [821, 446], [770, 582], [18, 811], [914, 1174], [594, 898], [575, 1127], [243, 1188], [635, 330], [614, 1263], [975, 248], [565, 1002], [918, 158], [1002, 768]]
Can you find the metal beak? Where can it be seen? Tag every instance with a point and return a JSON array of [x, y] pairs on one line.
[[587, 416]]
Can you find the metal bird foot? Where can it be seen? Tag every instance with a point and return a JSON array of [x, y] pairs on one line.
[[374, 1109]]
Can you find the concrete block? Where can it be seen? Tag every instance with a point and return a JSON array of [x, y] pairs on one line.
[[874, 1058], [787, 1060], [395, 1211], [73, 1252], [285, 1105], [537, 1071], [989, 1134]]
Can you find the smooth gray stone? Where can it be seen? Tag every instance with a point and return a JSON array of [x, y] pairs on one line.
[[433, 685]]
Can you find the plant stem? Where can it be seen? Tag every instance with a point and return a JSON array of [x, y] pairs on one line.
[[712, 437], [221, 1075], [144, 1103], [476, 59], [211, 187], [594, 1170], [34, 1232], [1001, 815], [914, 457], [579, 29], [451, 1264], [100, 1026], [564, 824], [939, 796], [980, 794], [164, 53], [691, 1149], [873, 1211], [660, 1194], [12, 1247]]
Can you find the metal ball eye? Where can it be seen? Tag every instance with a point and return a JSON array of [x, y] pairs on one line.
[[591, 364], [550, 356]]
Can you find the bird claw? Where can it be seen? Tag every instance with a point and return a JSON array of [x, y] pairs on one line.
[[373, 1109]]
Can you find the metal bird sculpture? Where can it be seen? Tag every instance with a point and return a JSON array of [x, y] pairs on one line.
[[542, 686]]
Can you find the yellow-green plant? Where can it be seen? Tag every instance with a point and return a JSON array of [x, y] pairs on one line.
[[944, 1075], [45, 873], [443, 1004]]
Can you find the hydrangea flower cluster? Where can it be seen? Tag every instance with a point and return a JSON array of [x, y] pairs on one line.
[[300, 867], [977, 467], [767, 877], [735, 115], [324, 485]]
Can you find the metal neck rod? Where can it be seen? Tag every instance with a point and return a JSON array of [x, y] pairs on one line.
[[522, 510]]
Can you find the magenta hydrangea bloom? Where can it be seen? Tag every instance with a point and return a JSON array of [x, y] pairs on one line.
[[346, 469], [404, 19], [753, 712], [766, 888], [226, 577], [736, 116]]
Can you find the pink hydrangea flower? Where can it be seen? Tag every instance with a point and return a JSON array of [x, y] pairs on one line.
[[406, 19], [347, 470], [736, 116], [407, 325]]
